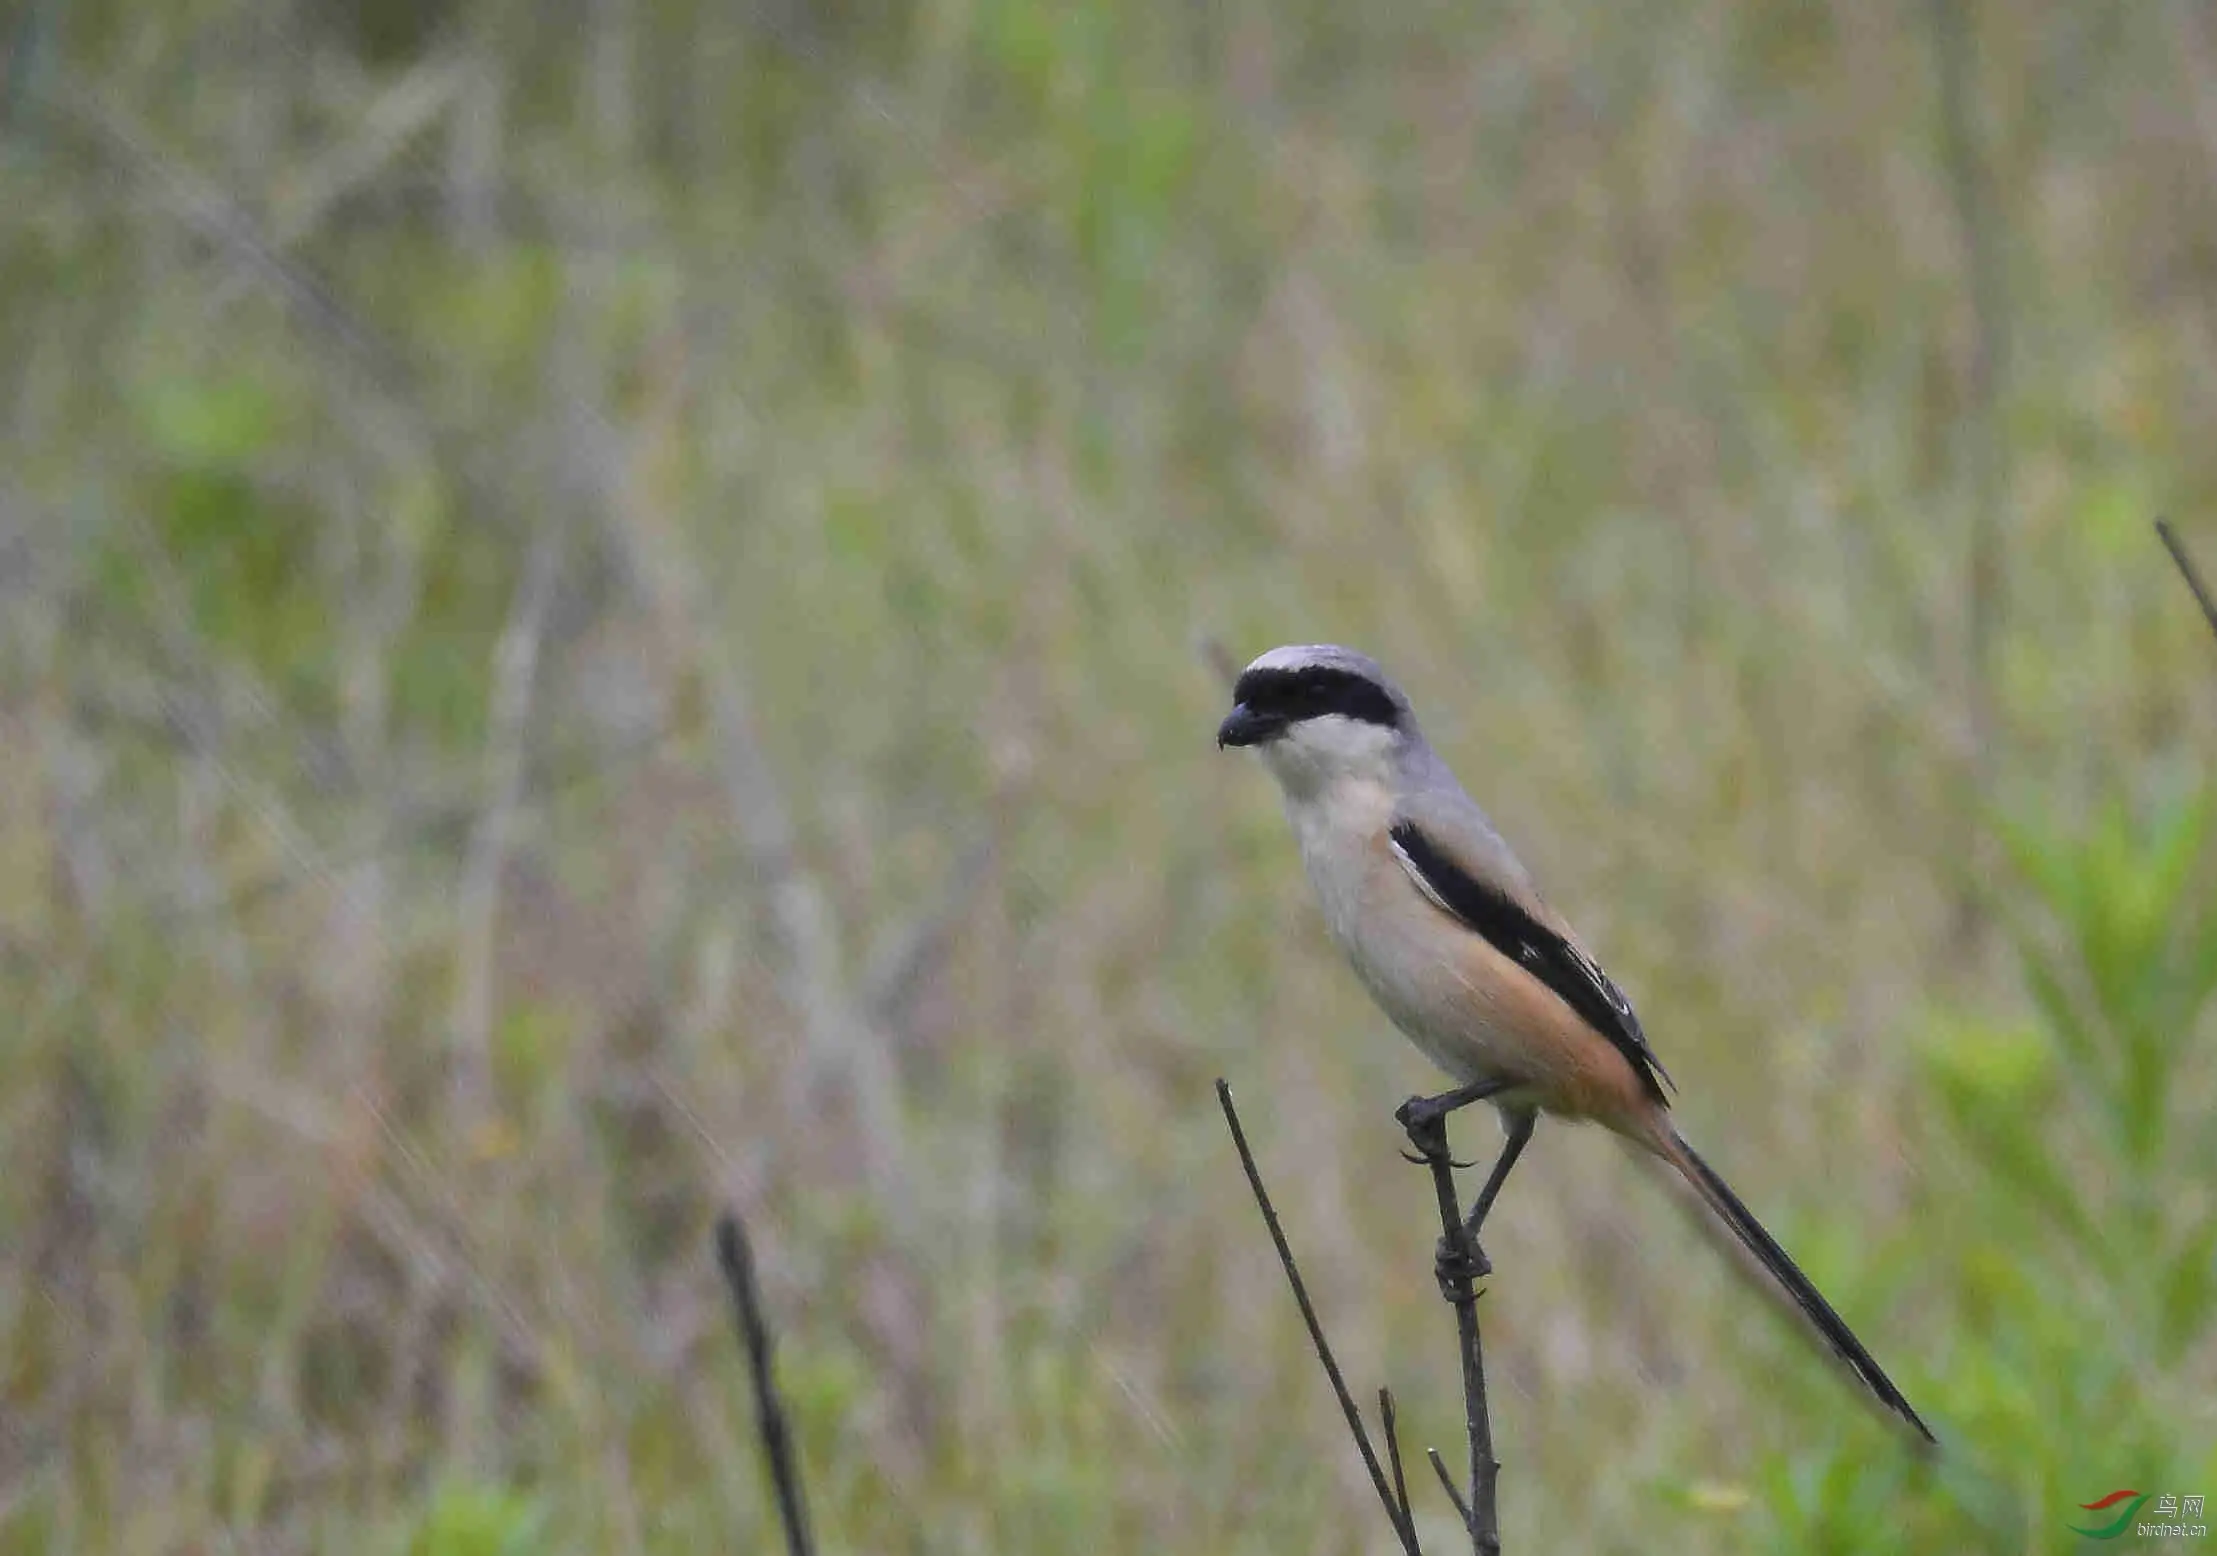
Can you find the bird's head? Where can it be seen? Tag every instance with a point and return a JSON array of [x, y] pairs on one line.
[[1318, 714]]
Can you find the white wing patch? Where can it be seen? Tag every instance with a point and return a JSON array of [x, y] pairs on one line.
[[1423, 884]]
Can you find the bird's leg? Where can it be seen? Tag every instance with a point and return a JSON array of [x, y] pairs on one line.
[[1448, 1262], [1518, 1126], [1419, 1113], [1425, 1118]]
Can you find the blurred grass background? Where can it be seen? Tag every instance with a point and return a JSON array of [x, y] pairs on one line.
[[602, 616]]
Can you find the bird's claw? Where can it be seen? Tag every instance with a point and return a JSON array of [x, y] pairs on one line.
[[1456, 1271], [1415, 1160]]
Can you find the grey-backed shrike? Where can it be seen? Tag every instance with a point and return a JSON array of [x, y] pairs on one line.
[[1444, 928]]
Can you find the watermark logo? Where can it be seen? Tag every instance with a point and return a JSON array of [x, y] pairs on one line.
[[2131, 1498], [2174, 1517]]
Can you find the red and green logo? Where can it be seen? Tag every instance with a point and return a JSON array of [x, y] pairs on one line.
[[2132, 1501]]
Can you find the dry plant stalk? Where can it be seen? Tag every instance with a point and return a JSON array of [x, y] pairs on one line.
[[1427, 1127], [2188, 571], [736, 1260]]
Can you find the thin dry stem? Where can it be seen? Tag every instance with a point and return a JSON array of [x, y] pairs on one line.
[[1389, 1426], [1403, 1527], [736, 1260], [1447, 1484], [2189, 571], [1429, 1135]]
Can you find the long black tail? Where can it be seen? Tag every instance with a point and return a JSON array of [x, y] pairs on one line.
[[1795, 1286]]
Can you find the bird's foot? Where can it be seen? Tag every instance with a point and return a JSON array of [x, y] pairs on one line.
[[1417, 1112], [1425, 1115], [1456, 1271]]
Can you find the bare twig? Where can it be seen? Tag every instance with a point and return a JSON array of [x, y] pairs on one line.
[[736, 1261], [1428, 1133], [1403, 1526], [1390, 1427], [2189, 571], [1447, 1484]]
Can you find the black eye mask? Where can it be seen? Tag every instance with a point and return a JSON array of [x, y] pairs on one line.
[[1289, 696]]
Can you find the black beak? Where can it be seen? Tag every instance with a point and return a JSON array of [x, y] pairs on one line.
[[1243, 726]]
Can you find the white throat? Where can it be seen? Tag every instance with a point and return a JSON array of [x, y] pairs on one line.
[[1318, 755], [1337, 776]]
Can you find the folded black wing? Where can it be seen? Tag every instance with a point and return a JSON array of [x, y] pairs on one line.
[[1540, 951]]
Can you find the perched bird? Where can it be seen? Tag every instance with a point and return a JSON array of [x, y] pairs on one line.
[[1443, 926]]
